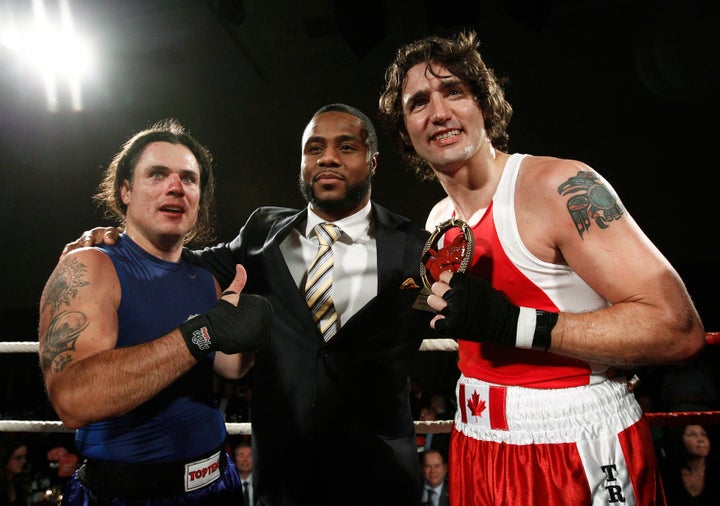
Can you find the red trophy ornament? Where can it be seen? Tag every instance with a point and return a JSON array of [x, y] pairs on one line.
[[453, 257]]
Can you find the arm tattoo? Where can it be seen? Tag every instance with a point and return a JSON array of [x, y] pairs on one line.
[[60, 339], [592, 201], [63, 284], [65, 326]]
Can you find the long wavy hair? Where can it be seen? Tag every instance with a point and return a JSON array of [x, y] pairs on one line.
[[461, 56], [122, 168]]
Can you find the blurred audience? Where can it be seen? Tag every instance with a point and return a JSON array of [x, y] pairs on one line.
[[14, 479], [244, 463], [434, 470], [64, 461], [439, 441], [691, 470], [444, 406], [418, 397]]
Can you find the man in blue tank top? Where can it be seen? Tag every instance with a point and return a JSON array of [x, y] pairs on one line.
[[130, 336]]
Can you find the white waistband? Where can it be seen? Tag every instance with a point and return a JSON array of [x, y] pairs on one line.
[[518, 415]]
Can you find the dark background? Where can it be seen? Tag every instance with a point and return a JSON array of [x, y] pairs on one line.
[[630, 87]]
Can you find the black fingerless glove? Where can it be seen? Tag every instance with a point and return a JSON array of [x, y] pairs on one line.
[[230, 329], [477, 312]]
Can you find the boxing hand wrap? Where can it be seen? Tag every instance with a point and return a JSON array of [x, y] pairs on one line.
[[228, 328], [475, 311]]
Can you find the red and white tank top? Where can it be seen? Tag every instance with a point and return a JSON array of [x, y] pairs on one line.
[[501, 257]]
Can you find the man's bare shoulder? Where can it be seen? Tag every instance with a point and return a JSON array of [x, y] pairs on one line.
[[552, 171], [79, 271]]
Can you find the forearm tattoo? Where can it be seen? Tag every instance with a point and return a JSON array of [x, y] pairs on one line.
[[65, 327], [592, 201]]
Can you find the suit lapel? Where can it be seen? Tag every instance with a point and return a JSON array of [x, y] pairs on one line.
[[278, 275]]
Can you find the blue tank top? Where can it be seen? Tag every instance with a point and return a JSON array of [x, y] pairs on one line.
[[183, 421]]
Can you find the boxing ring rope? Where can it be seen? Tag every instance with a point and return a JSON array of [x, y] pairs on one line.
[[660, 419]]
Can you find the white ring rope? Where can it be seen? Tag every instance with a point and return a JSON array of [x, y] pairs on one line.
[[32, 346], [432, 427], [19, 347]]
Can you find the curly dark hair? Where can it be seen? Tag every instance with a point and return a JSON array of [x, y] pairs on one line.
[[122, 168], [461, 56]]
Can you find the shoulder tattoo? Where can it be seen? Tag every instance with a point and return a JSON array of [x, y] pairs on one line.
[[590, 201], [65, 326], [63, 284]]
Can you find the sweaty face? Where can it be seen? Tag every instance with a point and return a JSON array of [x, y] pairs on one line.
[[442, 117], [163, 199], [336, 168]]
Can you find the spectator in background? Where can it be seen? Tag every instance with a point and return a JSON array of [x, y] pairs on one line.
[[434, 471], [691, 470], [430, 441], [418, 397], [444, 407], [13, 455], [238, 407], [244, 464], [67, 462]]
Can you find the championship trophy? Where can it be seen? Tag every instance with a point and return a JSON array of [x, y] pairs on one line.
[[455, 256]]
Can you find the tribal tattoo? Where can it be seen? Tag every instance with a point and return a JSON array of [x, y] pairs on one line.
[[60, 339], [592, 201]]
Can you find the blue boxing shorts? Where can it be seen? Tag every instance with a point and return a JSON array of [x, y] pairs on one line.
[[109, 484]]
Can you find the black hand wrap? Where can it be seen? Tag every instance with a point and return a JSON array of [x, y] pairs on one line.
[[477, 312], [230, 329]]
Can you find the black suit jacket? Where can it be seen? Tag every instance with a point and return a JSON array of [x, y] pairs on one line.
[[443, 499], [327, 416]]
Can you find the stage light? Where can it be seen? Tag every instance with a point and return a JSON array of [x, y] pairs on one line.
[[53, 50]]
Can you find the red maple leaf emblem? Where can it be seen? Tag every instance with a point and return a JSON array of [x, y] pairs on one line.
[[476, 405]]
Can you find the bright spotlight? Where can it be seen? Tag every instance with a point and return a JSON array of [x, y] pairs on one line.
[[54, 51]]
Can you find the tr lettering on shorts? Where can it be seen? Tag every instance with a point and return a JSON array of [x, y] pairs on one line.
[[202, 472], [614, 490]]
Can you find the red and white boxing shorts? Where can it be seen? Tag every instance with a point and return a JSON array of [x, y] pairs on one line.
[[587, 445]]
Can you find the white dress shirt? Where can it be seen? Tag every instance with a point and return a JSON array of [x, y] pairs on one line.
[[436, 495], [251, 492], [355, 256]]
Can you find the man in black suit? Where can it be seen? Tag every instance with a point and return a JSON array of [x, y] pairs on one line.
[[326, 414], [434, 471], [329, 415]]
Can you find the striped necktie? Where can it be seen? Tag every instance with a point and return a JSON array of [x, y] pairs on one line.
[[318, 287]]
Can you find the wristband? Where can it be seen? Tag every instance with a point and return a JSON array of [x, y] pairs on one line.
[[196, 332], [478, 312], [534, 328]]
